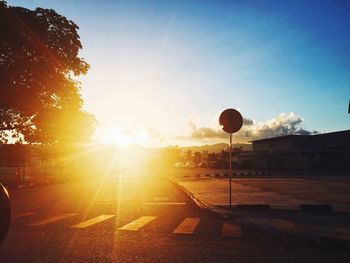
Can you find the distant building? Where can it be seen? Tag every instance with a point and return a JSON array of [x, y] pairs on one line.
[[327, 151]]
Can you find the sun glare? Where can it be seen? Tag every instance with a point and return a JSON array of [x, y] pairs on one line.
[[123, 139], [117, 137]]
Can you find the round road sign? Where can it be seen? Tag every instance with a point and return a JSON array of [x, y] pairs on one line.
[[231, 120]]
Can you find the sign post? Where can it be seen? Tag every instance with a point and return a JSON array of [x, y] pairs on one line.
[[231, 121]]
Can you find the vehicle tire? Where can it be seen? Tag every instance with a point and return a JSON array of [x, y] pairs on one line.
[[5, 213]]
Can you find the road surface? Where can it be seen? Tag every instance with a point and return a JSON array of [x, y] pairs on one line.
[[142, 217]]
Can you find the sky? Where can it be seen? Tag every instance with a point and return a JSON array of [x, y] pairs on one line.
[[162, 71]]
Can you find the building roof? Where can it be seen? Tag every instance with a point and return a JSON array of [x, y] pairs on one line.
[[345, 132], [279, 137]]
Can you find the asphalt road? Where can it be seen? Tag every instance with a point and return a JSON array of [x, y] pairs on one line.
[[143, 218]]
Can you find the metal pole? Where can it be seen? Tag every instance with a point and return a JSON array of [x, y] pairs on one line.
[[230, 176]]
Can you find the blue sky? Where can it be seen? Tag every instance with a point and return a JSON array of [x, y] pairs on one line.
[[158, 65]]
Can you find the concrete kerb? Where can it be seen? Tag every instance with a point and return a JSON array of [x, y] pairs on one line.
[[217, 211], [226, 175], [316, 208]]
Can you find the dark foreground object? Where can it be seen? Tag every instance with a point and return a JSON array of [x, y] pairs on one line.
[[5, 213]]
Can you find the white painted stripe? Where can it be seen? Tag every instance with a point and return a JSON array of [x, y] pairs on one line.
[[92, 221], [20, 215], [162, 203], [138, 223], [187, 226], [229, 230], [51, 219], [160, 198]]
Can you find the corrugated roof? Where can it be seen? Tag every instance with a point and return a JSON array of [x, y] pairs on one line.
[[279, 137]]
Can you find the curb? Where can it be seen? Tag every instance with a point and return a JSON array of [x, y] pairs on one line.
[[315, 208], [217, 211], [226, 175]]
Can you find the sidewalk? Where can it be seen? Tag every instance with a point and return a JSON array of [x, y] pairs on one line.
[[271, 193], [277, 205]]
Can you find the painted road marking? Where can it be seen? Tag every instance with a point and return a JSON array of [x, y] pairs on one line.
[[20, 215], [92, 221], [231, 230], [51, 219], [187, 226], [160, 198], [162, 203], [138, 223]]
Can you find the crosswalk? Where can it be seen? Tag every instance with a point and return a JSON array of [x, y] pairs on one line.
[[138, 224], [92, 221], [187, 226]]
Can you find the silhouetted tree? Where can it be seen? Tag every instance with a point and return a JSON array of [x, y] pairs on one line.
[[225, 155], [197, 158], [237, 150], [212, 157], [40, 100]]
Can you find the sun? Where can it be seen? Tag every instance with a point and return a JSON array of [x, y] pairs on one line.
[[116, 137], [123, 139]]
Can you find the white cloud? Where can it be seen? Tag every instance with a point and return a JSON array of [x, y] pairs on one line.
[[283, 124]]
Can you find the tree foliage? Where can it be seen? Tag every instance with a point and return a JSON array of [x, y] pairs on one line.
[[40, 99]]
